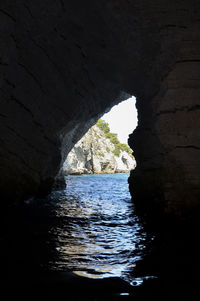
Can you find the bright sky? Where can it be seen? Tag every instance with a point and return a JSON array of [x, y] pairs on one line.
[[122, 119]]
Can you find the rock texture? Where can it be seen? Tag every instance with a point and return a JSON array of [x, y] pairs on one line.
[[168, 143], [93, 154], [64, 63]]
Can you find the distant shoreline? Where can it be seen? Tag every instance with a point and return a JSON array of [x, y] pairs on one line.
[[100, 173]]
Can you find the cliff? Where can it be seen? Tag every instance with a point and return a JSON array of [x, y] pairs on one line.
[[95, 153]]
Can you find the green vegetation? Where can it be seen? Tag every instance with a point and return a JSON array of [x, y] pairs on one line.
[[113, 138], [103, 126], [101, 154]]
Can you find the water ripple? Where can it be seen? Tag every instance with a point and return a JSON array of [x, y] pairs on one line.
[[99, 235]]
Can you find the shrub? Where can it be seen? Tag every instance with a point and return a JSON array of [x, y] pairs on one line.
[[101, 154], [116, 151], [104, 126]]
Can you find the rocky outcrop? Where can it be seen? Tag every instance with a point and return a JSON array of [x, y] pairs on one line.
[[94, 154], [64, 63]]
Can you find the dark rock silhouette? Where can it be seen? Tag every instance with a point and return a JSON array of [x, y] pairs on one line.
[[64, 63]]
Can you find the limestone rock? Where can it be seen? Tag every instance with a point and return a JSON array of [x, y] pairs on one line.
[[94, 154]]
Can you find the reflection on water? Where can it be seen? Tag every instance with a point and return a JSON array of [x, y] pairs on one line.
[[98, 235], [91, 229]]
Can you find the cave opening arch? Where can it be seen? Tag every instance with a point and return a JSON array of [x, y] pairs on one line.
[[104, 148], [64, 64]]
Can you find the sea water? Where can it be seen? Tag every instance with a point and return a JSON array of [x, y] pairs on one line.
[[90, 229], [100, 235]]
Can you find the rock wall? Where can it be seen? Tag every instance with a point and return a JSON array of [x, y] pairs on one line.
[[94, 154], [54, 85], [64, 63], [167, 145]]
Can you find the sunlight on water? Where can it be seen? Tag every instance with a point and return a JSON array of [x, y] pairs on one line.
[[99, 235]]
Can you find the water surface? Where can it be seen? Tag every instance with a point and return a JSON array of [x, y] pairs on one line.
[[99, 235], [90, 229]]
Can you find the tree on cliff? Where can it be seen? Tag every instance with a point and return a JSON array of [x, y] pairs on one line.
[[104, 126]]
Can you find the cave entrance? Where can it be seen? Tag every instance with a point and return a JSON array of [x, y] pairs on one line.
[[90, 228], [104, 148], [100, 235]]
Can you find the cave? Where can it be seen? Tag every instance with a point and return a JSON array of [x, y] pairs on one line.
[[64, 63]]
